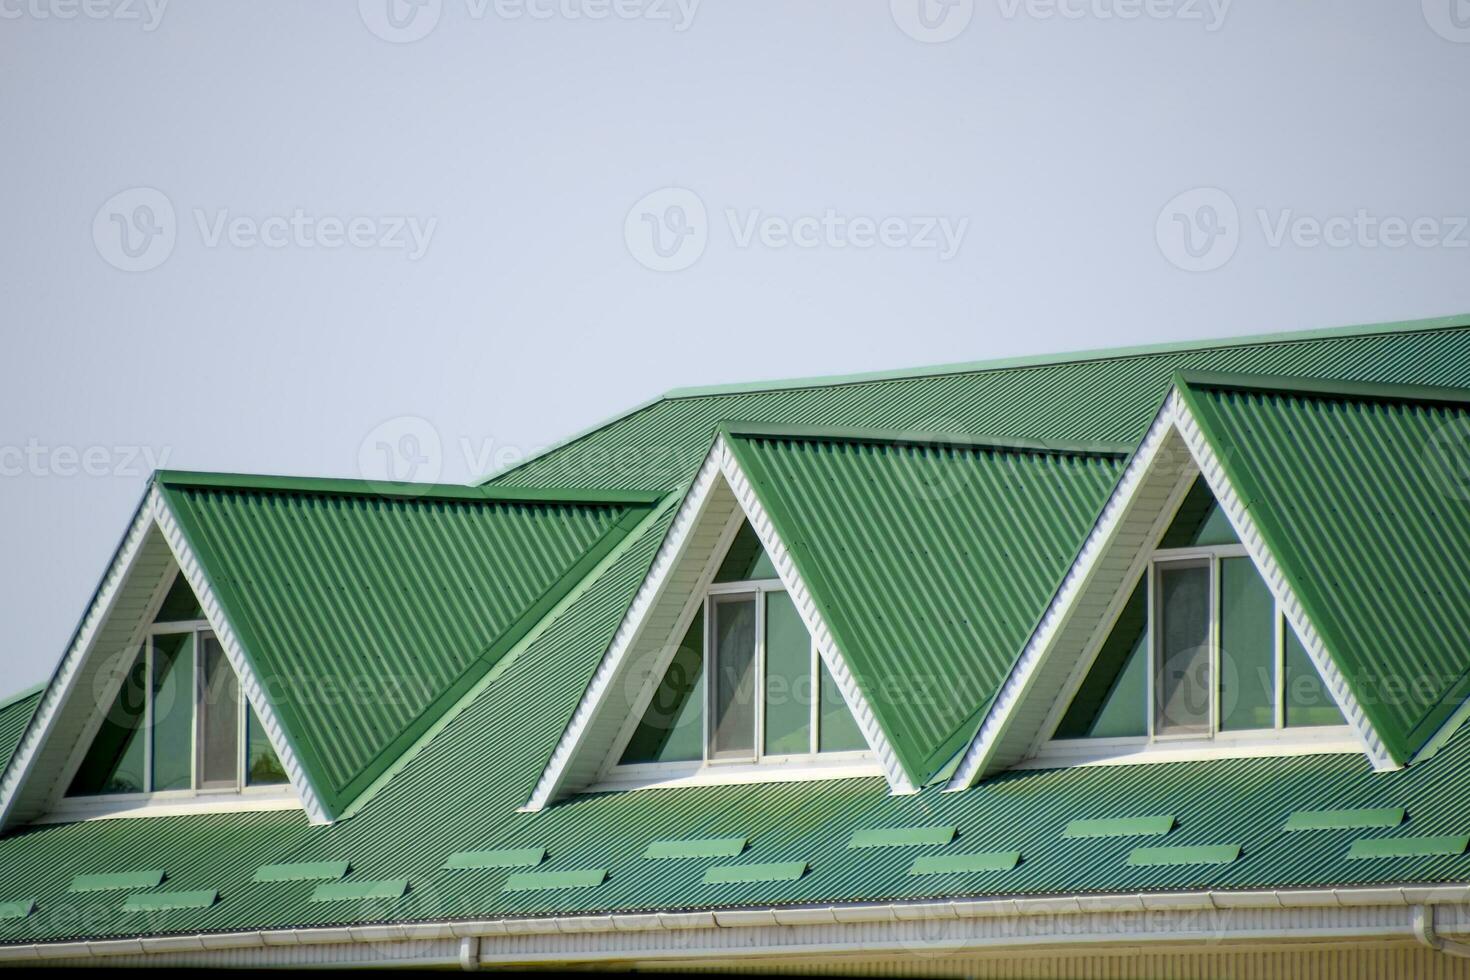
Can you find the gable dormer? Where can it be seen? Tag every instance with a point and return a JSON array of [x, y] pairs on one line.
[[1245, 588]]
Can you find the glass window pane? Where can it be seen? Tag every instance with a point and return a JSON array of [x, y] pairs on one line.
[[837, 729], [1113, 700], [733, 728], [262, 767], [1199, 521], [746, 561], [173, 711], [179, 606], [1247, 648], [219, 719], [672, 728], [114, 762], [788, 678], [1182, 684], [1308, 701]]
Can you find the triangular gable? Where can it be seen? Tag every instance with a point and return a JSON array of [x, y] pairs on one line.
[[717, 501], [1363, 494], [1331, 488], [929, 557], [904, 555], [353, 614]]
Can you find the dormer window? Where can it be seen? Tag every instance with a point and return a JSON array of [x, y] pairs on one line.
[[1199, 656], [179, 725], [745, 687]]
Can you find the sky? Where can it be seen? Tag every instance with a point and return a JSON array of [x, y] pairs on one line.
[[423, 238]]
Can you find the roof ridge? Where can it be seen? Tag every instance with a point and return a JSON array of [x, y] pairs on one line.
[[836, 433], [398, 489], [1304, 385], [1075, 357]]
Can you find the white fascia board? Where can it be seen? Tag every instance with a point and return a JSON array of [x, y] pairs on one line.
[[1174, 418], [198, 580], [60, 688], [1270, 569], [857, 703], [573, 739], [1013, 692]]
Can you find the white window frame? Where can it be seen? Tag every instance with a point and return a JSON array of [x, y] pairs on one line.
[[1278, 740], [759, 766], [104, 804]]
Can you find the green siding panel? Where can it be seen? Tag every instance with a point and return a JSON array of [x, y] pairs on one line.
[[166, 901], [343, 891], [708, 847], [17, 910], [1120, 827], [930, 561], [366, 617], [303, 871], [507, 857], [902, 837], [732, 874], [1360, 494], [1164, 857], [1345, 819], [1392, 847], [116, 881], [954, 864], [535, 881]]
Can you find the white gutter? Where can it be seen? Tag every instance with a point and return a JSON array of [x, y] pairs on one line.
[[1224, 917]]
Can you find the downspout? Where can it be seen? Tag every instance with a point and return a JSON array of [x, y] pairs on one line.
[[1425, 932], [469, 953]]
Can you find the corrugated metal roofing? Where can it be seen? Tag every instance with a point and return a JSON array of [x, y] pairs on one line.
[[461, 791], [15, 714], [1096, 397], [930, 562], [365, 616], [1363, 496]]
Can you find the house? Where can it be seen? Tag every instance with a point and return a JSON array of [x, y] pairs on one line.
[[1134, 662]]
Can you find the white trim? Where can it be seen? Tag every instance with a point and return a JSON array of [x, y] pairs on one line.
[[1013, 692], [1173, 418], [251, 799], [1249, 920], [857, 703], [719, 464], [572, 740], [59, 689], [770, 769], [193, 573]]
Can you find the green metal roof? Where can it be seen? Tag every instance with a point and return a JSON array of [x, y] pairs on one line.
[[1107, 396], [462, 788], [1362, 493], [15, 714], [366, 616], [930, 561]]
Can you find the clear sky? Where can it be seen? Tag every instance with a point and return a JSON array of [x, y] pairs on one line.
[[271, 236]]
